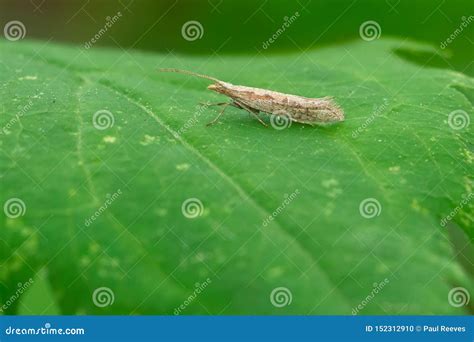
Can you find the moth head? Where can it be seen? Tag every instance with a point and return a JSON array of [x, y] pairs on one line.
[[218, 87]]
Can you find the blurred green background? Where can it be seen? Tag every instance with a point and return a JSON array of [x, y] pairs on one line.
[[242, 26]]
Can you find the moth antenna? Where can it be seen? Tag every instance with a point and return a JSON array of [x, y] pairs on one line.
[[180, 71]]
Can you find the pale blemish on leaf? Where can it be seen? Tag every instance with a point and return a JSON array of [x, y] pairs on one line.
[[469, 155], [161, 212], [329, 183], [199, 257], [108, 139], [381, 268], [28, 78], [84, 261], [415, 205], [183, 167], [274, 272], [148, 139], [394, 169], [94, 247], [332, 186], [329, 209]]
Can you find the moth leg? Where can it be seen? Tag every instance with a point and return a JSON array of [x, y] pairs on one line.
[[225, 104], [212, 104], [252, 111]]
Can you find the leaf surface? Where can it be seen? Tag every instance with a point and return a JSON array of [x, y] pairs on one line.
[[396, 147]]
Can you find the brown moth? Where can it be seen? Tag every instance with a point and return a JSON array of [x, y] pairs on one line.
[[285, 106]]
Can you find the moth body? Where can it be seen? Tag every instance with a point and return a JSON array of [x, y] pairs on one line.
[[297, 108], [255, 100]]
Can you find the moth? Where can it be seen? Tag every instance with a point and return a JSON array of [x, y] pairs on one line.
[[255, 100]]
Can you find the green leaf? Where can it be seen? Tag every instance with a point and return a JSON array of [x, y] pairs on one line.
[[396, 151]]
